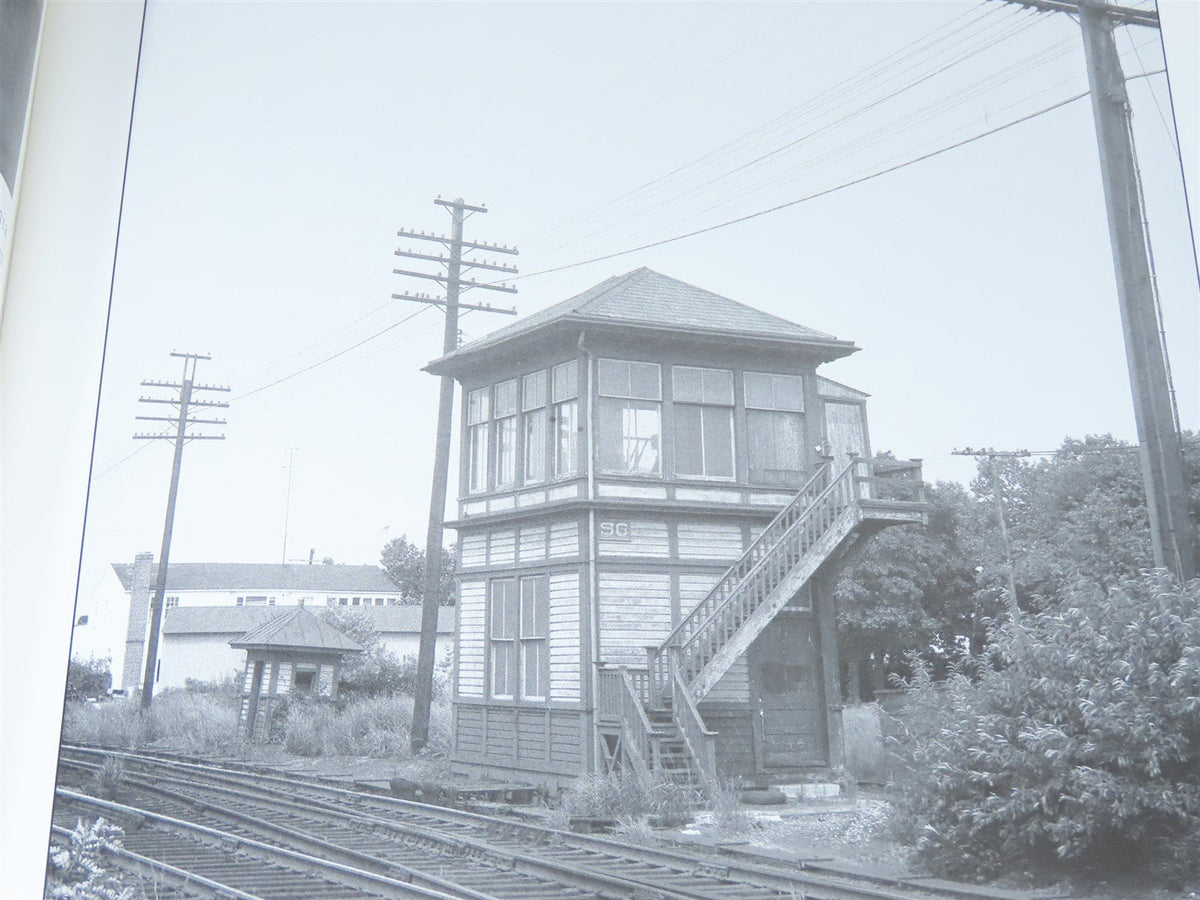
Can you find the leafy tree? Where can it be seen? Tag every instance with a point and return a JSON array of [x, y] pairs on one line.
[[1079, 514], [404, 563], [1076, 746], [88, 678], [374, 671], [911, 589]]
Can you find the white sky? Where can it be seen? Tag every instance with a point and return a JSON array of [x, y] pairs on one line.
[[278, 147]]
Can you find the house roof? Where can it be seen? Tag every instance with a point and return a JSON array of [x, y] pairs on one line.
[[268, 577], [647, 299], [298, 629], [237, 620]]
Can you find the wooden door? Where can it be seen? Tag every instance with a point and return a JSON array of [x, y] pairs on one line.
[[785, 672]]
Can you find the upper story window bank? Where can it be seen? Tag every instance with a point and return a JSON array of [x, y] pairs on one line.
[[644, 379]]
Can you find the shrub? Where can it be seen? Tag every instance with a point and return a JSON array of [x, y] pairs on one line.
[[177, 719], [1075, 747], [624, 795], [90, 678], [378, 727], [78, 869]]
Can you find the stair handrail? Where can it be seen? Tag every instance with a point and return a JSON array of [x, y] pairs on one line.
[[813, 488], [847, 476], [765, 545], [639, 742], [700, 740]]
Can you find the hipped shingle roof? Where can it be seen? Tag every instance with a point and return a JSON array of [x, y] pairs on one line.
[[298, 630]]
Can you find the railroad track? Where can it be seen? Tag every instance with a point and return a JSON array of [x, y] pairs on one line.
[[470, 855]]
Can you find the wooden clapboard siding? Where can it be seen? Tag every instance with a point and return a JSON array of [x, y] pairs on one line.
[[734, 685], [694, 587], [471, 610], [532, 544], [524, 738], [564, 637], [472, 550], [635, 611], [468, 729], [645, 539], [564, 539], [707, 540], [502, 547]]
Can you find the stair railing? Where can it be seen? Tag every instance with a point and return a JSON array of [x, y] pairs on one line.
[[718, 617], [636, 728], [701, 742], [737, 573]]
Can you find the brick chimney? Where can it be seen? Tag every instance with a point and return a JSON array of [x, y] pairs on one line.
[[140, 589]]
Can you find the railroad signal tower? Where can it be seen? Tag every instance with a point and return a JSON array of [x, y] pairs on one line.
[[456, 261]]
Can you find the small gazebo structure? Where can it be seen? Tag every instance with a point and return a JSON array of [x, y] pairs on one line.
[[293, 653]]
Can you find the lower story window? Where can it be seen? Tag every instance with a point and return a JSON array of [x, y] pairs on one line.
[[502, 633], [518, 633], [535, 626]]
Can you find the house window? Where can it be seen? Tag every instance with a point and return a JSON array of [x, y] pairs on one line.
[[505, 415], [479, 411], [630, 417], [535, 614], [172, 602], [502, 634], [565, 416], [343, 601], [703, 421], [533, 403], [775, 427], [254, 601]]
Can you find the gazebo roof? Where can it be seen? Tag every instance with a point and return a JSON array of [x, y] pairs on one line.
[[297, 629]]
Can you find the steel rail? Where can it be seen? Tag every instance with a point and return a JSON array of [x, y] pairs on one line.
[[550, 875], [297, 839], [163, 874], [303, 864], [730, 866]]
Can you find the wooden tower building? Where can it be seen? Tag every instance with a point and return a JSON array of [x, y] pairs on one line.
[[655, 486]]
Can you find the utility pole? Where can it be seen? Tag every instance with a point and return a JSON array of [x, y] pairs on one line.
[[287, 506], [454, 284], [1014, 610], [1172, 533], [182, 420]]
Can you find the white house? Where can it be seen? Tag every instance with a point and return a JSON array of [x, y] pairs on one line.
[[195, 639], [208, 604]]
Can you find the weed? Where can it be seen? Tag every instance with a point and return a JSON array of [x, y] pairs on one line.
[[635, 829], [725, 802], [109, 778]]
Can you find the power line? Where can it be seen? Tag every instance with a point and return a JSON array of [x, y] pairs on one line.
[[813, 196], [873, 138], [330, 358], [872, 77]]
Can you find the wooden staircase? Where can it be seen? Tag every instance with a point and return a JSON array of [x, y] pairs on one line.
[[826, 517]]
